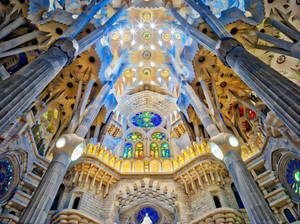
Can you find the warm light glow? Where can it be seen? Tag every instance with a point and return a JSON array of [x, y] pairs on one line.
[[160, 43], [133, 42], [160, 31], [61, 142], [216, 151], [132, 31], [152, 47], [233, 141], [152, 63], [141, 47], [141, 64]]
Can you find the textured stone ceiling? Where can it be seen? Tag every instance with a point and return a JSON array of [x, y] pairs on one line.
[[146, 101]]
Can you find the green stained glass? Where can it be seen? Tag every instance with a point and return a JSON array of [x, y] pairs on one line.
[[297, 176], [158, 136], [165, 152], [146, 120], [127, 154], [293, 175], [134, 136]]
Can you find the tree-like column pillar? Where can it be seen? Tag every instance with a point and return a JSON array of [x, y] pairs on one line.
[[68, 147], [281, 95], [21, 89], [226, 146]]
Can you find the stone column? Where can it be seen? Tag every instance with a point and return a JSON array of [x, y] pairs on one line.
[[93, 110], [39, 205], [21, 89], [280, 94], [200, 109], [255, 204], [253, 200]]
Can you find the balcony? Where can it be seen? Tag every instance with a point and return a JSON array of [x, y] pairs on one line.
[[72, 216], [220, 215]]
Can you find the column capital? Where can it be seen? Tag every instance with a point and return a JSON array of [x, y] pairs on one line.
[[69, 47], [71, 144], [223, 143], [224, 46]]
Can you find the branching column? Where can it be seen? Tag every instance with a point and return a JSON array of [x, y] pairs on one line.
[[255, 204], [20, 90]]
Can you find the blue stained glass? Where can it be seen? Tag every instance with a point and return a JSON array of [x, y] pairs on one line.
[[152, 213], [146, 120], [127, 153], [165, 153], [293, 175], [6, 175]]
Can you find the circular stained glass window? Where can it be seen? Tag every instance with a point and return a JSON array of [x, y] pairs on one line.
[[289, 174], [158, 136], [134, 136], [147, 213], [6, 175], [146, 120], [293, 175]]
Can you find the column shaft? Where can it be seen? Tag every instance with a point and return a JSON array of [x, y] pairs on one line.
[[281, 95], [253, 200], [37, 210], [201, 110], [21, 89], [93, 111]]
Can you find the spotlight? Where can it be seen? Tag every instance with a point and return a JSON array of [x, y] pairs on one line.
[[152, 25], [140, 25], [233, 141]]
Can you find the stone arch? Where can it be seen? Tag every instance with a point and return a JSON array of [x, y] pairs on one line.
[[275, 157]]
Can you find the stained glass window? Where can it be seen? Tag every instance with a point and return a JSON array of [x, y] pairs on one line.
[[134, 136], [6, 175], [154, 150], [146, 120], [152, 213], [165, 152], [139, 150], [158, 136], [127, 154], [293, 175]]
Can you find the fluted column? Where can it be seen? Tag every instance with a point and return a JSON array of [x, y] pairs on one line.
[[93, 110], [19, 90], [227, 146], [39, 205], [253, 200], [200, 109], [46, 190], [280, 94]]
